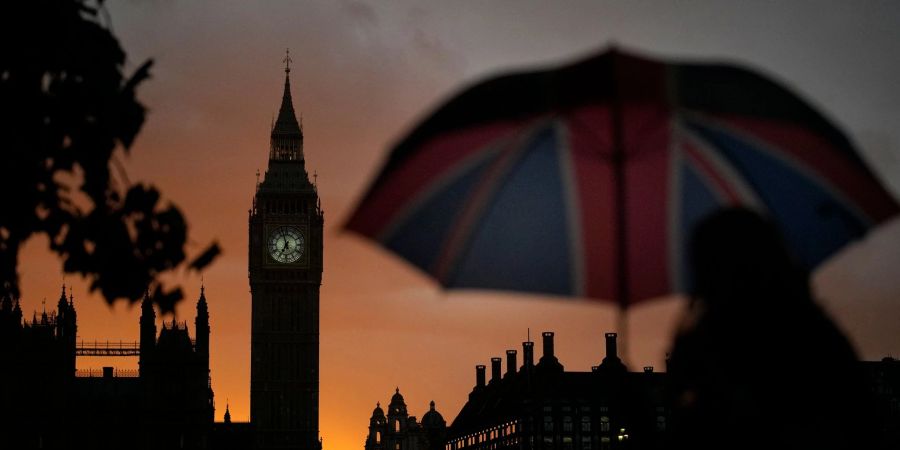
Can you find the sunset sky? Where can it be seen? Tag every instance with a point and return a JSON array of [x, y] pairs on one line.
[[363, 74]]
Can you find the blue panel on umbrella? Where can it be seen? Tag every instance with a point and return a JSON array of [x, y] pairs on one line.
[[421, 236], [697, 201], [814, 222], [521, 241]]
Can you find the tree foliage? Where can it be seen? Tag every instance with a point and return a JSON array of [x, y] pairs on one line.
[[65, 109]]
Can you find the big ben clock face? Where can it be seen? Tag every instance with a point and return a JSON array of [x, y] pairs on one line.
[[286, 244]]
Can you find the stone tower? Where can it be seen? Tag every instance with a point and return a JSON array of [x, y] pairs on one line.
[[285, 270]]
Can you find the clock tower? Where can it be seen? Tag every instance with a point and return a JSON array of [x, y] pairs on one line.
[[285, 270]]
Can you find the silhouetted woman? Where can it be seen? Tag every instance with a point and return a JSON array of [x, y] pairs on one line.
[[756, 363]]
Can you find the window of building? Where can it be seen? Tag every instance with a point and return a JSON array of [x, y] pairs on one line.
[[567, 424], [397, 426], [660, 423], [548, 423], [585, 423], [604, 424], [604, 443], [548, 442], [377, 437], [397, 446], [586, 443]]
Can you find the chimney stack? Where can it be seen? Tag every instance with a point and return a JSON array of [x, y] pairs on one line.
[[510, 362], [495, 369], [612, 361], [479, 376], [528, 354], [548, 344], [611, 350]]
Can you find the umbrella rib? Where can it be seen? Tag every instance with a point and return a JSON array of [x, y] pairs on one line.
[[573, 216]]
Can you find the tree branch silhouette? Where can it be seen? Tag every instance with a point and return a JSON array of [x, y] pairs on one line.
[[65, 107]]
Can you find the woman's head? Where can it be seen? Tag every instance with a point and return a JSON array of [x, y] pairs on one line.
[[737, 255]]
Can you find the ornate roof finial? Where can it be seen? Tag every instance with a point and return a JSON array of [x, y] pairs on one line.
[[62, 297], [287, 60], [227, 412]]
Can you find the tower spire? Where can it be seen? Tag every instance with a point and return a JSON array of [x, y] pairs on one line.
[[287, 61], [287, 135]]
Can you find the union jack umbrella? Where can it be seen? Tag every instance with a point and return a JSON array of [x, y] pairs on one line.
[[585, 180]]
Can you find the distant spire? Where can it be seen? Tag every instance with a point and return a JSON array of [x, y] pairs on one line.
[[432, 405], [227, 412], [202, 309], [63, 301], [147, 304]]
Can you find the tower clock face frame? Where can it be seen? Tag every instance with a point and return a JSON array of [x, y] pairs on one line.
[[286, 244]]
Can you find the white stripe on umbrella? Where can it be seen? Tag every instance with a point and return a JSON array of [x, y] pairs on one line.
[[572, 208]]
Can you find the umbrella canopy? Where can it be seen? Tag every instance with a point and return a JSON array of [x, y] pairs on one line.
[[585, 180]]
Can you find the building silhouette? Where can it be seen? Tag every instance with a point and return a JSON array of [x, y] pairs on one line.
[[168, 401], [543, 406], [884, 384], [285, 272], [46, 403], [400, 431]]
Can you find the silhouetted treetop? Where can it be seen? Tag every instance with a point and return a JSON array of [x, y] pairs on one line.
[[66, 108]]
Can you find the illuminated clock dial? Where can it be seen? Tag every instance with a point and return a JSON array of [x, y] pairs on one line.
[[286, 244]]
